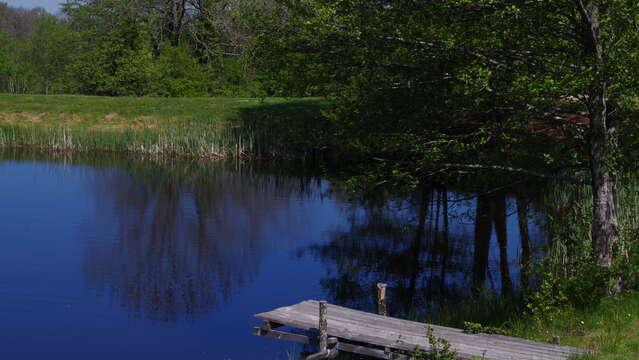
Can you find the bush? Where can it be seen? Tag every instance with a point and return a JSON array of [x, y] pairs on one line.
[[180, 75]]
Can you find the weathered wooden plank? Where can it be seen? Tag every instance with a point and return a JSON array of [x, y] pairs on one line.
[[367, 351], [407, 325], [288, 336], [419, 339], [404, 326], [476, 340], [362, 334], [401, 334], [282, 335]]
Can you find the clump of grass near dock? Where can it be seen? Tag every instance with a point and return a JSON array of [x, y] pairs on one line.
[[193, 127]]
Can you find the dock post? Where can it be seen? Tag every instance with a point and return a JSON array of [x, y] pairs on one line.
[[381, 306], [381, 299], [324, 352], [323, 327]]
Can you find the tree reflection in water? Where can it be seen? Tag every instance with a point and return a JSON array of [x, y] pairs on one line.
[[186, 240], [434, 247]]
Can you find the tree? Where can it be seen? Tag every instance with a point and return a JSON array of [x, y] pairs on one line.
[[421, 66], [180, 73], [51, 47], [4, 55], [114, 55]]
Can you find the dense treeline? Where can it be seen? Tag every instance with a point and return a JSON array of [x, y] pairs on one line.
[[130, 47]]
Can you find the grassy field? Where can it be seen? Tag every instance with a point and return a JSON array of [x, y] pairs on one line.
[[205, 127], [109, 113]]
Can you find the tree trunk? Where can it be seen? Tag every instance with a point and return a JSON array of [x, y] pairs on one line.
[[602, 143], [604, 231]]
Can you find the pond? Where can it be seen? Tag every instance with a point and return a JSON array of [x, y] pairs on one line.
[[108, 256]]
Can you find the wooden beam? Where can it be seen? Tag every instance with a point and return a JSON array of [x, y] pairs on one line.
[[342, 346], [381, 299], [281, 335], [323, 327]]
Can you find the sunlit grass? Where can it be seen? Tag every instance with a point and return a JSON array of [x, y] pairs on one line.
[[95, 111]]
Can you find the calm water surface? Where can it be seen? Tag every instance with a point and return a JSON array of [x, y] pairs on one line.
[[117, 258]]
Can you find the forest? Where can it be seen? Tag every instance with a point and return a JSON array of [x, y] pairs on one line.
[[130, 48]]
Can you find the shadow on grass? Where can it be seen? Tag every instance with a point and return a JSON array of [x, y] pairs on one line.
[[298, 129]]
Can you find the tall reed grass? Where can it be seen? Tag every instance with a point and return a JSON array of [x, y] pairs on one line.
[[569, 209], [191, 140]]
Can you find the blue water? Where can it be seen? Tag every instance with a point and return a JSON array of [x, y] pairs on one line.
[[145, 259]]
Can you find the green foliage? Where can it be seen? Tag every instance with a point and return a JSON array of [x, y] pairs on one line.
[[5, 60], [476, 328], [130, 48], [609, 328], [51, 48], [583, 287], [569, 277], [440, 349], [418, 84], [180, 75], [280, 68], [233, 79]]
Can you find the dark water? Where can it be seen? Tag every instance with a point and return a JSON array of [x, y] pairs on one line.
[[117, 258]]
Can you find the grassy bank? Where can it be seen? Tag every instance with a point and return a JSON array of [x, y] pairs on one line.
[[200, 127], [610, 328], [118, 113]]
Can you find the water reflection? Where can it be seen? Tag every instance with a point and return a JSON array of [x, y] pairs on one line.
[[432, 248], [184, 245], [171, 240]]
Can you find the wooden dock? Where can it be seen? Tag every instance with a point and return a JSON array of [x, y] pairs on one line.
[[385, 337]]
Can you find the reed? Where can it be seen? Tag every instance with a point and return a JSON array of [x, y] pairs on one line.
[[197, 141], [569, 210]]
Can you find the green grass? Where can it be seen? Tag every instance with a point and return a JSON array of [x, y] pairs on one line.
[[611, 328], [96, 111], [201, 127]]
